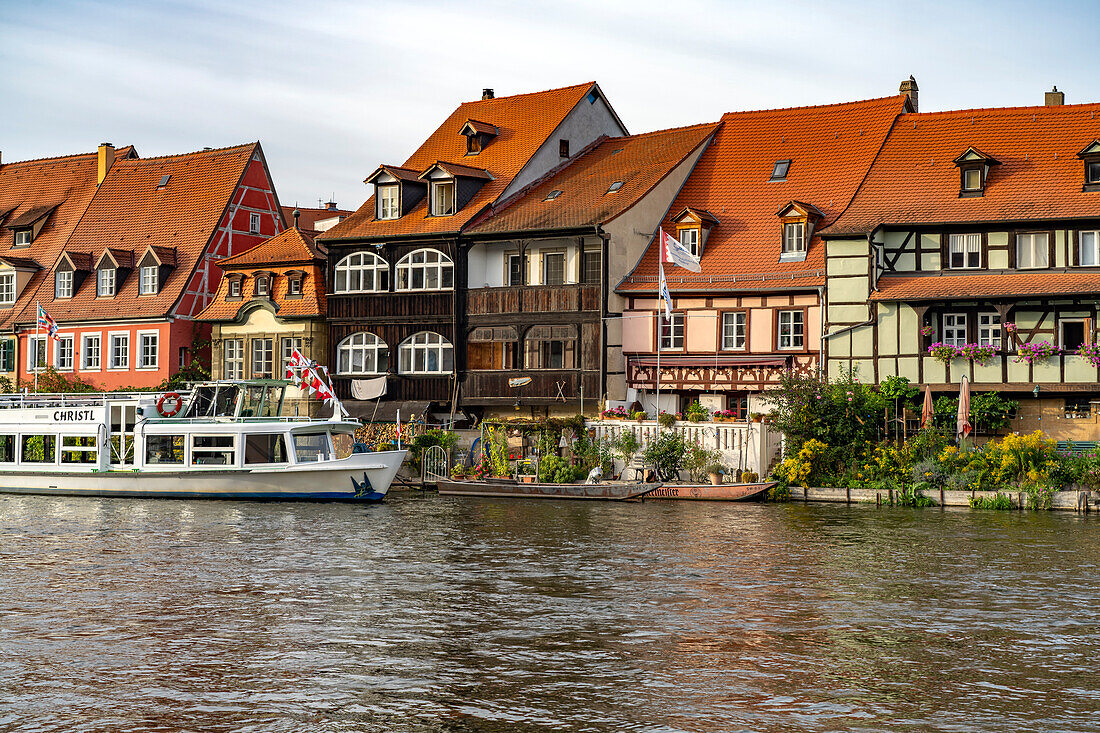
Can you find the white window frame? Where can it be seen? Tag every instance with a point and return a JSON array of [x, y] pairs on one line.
[[1036, 245], [428, 343], [964, 245], [7, 288], [23, 237], [294, 285], [439, 203], [737, 338], [233, 358], [671, 332], [546, 256], [63, 339], [287, 344], [361, 267], [508, 269], [792, 330], [150, 280], [954, 329], [989, 329], [255, 373], [980, 182], [389, 197], [361, 344], [429, 263], [63, 284], [690, 239], [794, 237], [234, 287], [105, 281], [141, 336], [265, 281], [1094, 250], [32, 352], [253, 223], [112, 365], [85, 362]]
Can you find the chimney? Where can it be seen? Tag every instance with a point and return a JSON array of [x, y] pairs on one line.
[[1054, 98], [330, 206], [296, 215], [106, 160], [486, 93], [909, 89]]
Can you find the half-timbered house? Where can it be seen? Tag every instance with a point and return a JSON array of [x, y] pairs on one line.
[[752, 210], [982, 228], [543, 329], [397, 271]]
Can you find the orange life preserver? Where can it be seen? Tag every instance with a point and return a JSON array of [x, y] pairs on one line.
[[177, 403]]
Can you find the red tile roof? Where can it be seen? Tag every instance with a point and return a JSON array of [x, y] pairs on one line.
[[457, 169], [308, 218], [524, 121], [985, 285], [129, 212], [831, 147], [639, 162], [290, 247], [915, 180]]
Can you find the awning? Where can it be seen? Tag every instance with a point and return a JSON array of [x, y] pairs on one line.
[[702, 361], [386, 410]]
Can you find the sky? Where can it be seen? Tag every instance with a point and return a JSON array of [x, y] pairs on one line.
[[333, 89]]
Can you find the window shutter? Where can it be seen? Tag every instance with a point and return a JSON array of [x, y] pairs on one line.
[[1074, 250], [945, 258]]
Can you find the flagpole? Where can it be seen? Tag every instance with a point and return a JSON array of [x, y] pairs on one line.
[[37, 336]]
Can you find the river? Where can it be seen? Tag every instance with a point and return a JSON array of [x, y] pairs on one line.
[[455, 614]]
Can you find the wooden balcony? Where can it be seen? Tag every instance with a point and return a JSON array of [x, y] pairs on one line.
[[393, 306], [535, 299], [491, 387], [400, 388]]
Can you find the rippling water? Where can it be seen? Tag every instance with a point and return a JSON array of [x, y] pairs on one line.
[[438, 614]]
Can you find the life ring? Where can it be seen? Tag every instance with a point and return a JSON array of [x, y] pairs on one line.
[[176, 404]]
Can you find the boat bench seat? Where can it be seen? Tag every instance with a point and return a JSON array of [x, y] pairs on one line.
[[1077, 446]]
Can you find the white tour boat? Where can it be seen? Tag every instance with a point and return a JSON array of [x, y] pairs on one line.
[[219, 440]]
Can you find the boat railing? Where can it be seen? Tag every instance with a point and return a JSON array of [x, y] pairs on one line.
[[228, 419], [55, 400]]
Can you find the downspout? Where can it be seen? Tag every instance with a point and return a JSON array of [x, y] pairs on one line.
[[605, 256], [821, 344]]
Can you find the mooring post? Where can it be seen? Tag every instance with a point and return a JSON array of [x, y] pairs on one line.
[[878, 498]]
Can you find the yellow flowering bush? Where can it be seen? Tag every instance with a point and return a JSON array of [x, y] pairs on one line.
[[798, 469]]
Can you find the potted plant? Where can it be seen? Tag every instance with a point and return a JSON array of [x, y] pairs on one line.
[[725, 416], [1033, 351], [666, 420], [943, 352], [458, 472], [641, 415], [525, 472], [748, 477], [696, 412], [614, 413], [756, 416], [716, 471]]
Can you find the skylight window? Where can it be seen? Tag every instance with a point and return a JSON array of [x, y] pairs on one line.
[[779, 172], [164, 180], [552, 195], [615, 187]]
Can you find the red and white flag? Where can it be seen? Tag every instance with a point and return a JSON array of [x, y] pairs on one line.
[[672, 250]]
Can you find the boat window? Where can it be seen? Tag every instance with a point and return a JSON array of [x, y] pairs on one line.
[[311, 448], [7, 448], [161, 449], [80, 449], [342, 445], [201, 403], [261, 401], [38, 448], [264, 448], [225, 403], [212, 450]]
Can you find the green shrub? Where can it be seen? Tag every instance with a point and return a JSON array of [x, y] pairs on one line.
[[997, 501], [666, 454]]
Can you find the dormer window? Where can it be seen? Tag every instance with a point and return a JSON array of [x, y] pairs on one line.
[[692, 228], [1091, 156], [63, 284], [690, 239], [149, 280], [235, 288], [443, 198], [473, 144], [22, 237], [294, 286], [261, 286], [105, 283], [973, 168], [779, 170], [7, 288], [794, 237], [478, 135], [387, 202]]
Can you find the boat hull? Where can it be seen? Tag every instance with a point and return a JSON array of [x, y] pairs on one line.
[[361, 477], [706, 492], [590, 492]]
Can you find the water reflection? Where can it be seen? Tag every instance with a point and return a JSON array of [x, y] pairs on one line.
[[430, 614]]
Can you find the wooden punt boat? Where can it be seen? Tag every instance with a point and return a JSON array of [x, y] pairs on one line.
[[598, 492], [707, 492]]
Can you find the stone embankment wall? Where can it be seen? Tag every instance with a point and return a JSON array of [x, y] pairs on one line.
[[1078, 500]]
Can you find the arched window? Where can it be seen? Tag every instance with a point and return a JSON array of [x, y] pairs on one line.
[[550, 347], [425, 269], [362, 272], [426, 353], [362, 353]]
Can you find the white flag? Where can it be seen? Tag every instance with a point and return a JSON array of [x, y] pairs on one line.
[[676, 253], [665, 295]]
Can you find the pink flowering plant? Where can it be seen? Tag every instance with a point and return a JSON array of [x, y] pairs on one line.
[[943, 352], [619, 411], [927, 330], [977, 353], [1090, 352], [1010, 327], [1034, 351]]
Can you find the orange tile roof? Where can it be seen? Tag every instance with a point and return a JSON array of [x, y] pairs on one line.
[[638, 161], [290, 247], [129, 212], [312, 304], [985, 285], [67, 183], [524, 121], [831, 147], [915, 180]]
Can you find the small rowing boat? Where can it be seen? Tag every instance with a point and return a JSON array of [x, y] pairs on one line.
[[707, 492], [604, 492]]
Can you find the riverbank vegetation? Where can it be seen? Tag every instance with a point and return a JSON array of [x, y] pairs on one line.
[[843, 434]]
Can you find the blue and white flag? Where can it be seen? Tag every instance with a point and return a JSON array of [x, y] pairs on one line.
[[672, 250], [665, 295]]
